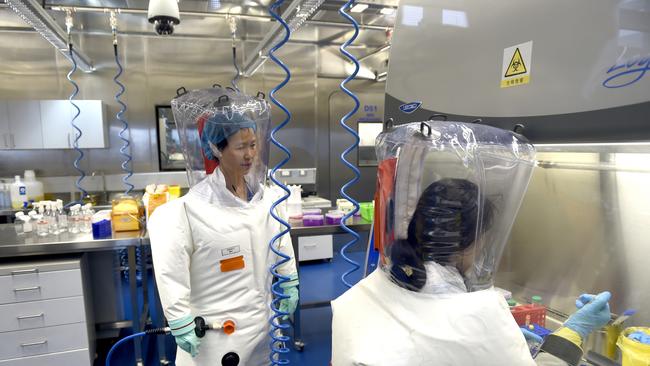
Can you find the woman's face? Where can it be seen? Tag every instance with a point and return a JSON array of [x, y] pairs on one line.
[[238, 156]]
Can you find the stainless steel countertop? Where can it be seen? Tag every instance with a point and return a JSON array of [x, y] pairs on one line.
[[12, 244]]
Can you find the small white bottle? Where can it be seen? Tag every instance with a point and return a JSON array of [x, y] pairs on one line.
[[87, 217], [18, 223], [27, 224], [42, 226], [18, 193], [62, 217], [73, 225], [51, 217]]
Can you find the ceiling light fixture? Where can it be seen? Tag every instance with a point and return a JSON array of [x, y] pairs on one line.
[[387, 11], [359, 8]]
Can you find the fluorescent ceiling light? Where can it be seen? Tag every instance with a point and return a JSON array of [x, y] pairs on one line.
[[359, 8], [33, 14], [387, 11], [454, 18], [412, 15]]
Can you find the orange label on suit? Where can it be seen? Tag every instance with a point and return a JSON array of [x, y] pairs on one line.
[[232, 264]]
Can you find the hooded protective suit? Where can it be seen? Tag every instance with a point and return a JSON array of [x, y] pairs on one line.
[[211, 248], [211, 257], [447, 196]]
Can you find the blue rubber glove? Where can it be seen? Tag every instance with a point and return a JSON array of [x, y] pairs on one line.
[[183, 331], [289, 288], [593, 313], [530, 336], [640, 337]]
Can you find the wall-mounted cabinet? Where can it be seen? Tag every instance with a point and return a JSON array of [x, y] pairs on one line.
[[4, 126], [45, 124], [20, 125]]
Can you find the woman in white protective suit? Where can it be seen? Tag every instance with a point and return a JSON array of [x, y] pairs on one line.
[[211, 247], [447, 196]]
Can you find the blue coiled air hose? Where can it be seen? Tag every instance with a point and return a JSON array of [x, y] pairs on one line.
[[357, 173], [120, 342], [126, 164], [158, 331], [78, 134], [237, 72], [278, 339]]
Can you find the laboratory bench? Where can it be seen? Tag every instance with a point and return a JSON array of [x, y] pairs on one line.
[[309, 242], [34, 252]]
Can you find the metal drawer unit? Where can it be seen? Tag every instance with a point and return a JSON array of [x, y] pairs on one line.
[[68, 358], [44, 314], [315, 247]]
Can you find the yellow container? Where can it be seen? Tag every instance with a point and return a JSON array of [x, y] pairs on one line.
[[174, 192], [634, 353], [125, 214]]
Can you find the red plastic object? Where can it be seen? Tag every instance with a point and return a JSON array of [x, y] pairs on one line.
[[529, 314]]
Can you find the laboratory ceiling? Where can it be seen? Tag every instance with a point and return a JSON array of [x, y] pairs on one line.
[[206, 19]]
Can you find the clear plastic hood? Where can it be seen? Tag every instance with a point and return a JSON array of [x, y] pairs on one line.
[[447, 197]]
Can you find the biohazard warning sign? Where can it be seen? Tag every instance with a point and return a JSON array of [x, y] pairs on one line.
[[516, 65]]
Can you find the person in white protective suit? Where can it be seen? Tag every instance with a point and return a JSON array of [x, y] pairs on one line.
[[447, 196], [211, 247]]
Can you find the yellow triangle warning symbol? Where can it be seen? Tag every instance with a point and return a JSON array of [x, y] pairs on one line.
[[516, 66]]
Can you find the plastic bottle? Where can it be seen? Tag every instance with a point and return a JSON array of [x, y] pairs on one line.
[[51, 217], [73, 225], [42, 226], [18, 193], [28, 227], [18, 223], [5, 195], [87, 218], [62, 216], [34, 187]]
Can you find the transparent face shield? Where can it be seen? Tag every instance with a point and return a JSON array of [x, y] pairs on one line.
[[448, 195], [226, 129]]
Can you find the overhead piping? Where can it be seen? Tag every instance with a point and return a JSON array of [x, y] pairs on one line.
[[295, 16], [33, 14], [253, 17], [375, 52]]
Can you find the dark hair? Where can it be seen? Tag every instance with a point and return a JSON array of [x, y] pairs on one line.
[[221, 146], [407, 269], [443, 225]]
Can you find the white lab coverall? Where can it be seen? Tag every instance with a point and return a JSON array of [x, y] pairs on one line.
[[377, 323], [190, 237]]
